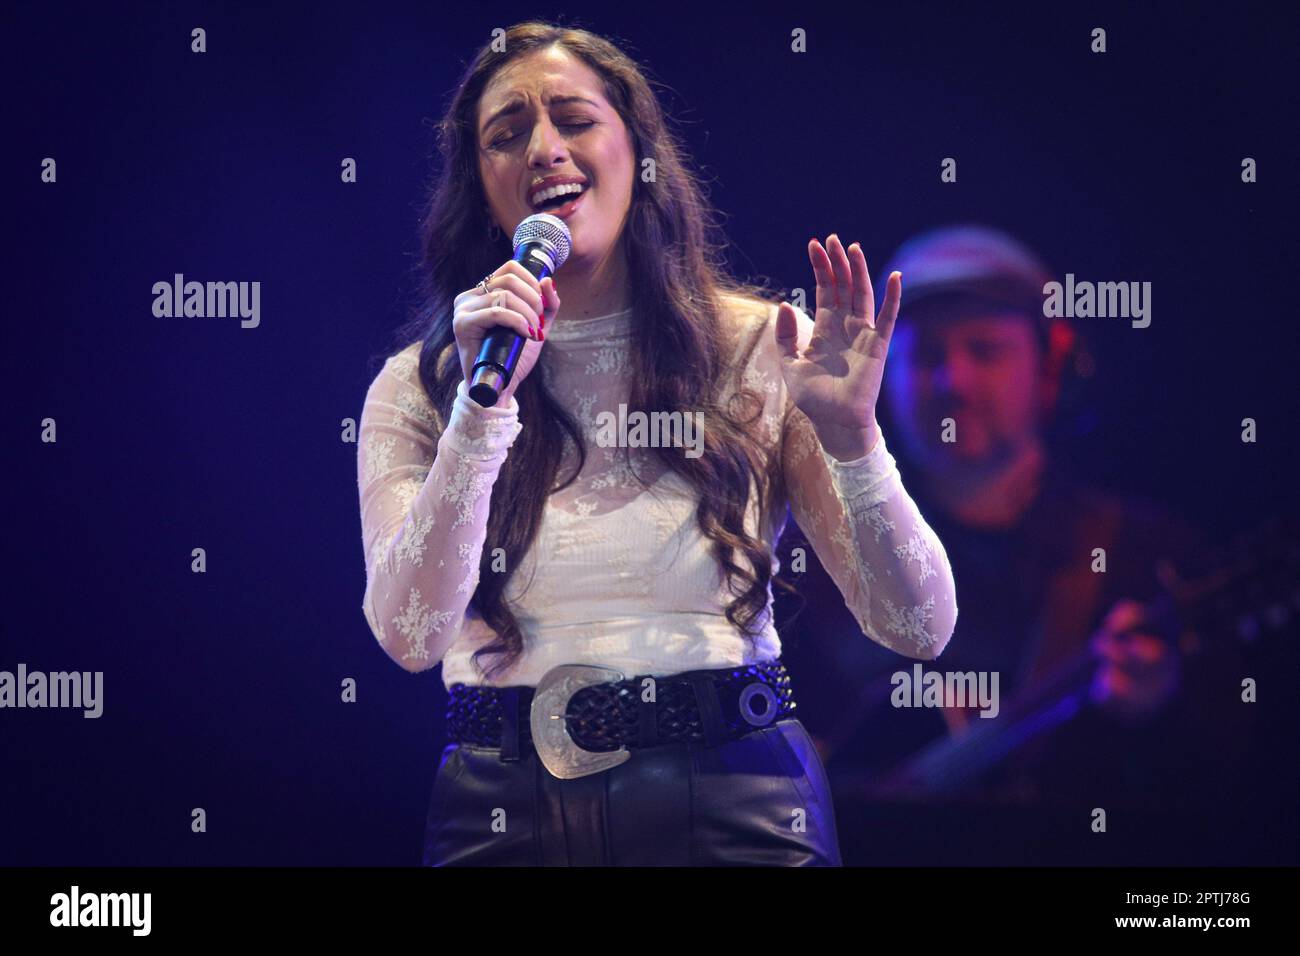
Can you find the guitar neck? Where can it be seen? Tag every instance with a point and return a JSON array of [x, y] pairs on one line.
[[1232, 598], [953, 762]]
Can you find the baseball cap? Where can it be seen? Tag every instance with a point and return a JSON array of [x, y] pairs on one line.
[[972, 262]]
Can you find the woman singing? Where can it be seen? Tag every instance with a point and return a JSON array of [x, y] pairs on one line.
[[603, 614]]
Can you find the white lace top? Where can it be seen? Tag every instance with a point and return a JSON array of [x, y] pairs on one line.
[[618, 575]]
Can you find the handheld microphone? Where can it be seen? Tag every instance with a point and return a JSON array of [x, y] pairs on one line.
[[542, 244]]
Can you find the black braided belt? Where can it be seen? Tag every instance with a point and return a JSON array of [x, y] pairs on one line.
[[602, 717]]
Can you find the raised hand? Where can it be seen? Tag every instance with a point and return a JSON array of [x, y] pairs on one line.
[[835, 380]]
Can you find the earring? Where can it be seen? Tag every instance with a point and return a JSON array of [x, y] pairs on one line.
[[494, 231]]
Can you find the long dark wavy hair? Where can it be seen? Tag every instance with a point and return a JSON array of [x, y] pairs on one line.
[[678, 353]]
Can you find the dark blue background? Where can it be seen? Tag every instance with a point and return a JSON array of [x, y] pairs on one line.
[[222, 689]]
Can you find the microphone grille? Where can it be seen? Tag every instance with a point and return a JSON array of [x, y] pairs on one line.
[[543, 227]]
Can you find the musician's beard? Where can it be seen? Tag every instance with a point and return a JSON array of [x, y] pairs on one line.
[[984, 439], [997, 456], [993, 488], [971, 457]]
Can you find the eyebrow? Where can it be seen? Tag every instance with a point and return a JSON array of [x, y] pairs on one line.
[[510, 109]]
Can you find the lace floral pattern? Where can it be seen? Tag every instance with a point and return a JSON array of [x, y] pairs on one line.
[[420, 510], [619, 574]]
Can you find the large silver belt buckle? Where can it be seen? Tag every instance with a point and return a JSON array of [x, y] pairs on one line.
[[559, 753]]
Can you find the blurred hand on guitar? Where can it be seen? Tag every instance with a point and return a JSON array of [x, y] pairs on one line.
[[1137, 673]]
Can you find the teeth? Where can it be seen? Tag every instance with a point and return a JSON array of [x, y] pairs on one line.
[[552, 192]]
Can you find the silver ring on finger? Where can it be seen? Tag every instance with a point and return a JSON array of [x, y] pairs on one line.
[[482, 283]]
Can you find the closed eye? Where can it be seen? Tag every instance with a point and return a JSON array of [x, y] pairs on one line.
[[502, 140]]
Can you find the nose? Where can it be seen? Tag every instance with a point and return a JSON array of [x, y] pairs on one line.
[[955, 375], [546, 146]]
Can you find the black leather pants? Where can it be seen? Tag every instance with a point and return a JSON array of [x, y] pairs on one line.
[[760, 800]]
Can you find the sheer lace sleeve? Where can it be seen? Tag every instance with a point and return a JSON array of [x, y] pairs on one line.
[[424, 492], [870, 537]]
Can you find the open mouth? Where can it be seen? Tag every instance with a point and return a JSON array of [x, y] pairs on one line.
[[563, 208], [562, 204]]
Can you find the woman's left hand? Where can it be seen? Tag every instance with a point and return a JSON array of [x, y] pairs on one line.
[[836, 380]]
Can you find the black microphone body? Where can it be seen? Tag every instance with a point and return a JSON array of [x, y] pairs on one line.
[[541, 246]]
